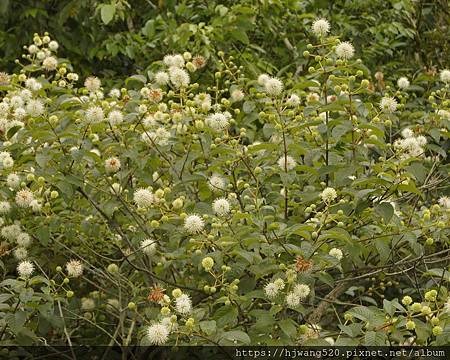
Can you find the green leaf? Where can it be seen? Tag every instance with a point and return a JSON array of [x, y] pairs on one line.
[[235, 337], [208, 327], [107, 13], [386, 211], [289, 327], [373, 338]]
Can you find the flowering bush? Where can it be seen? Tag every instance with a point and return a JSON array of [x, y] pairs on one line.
[[175, 211]]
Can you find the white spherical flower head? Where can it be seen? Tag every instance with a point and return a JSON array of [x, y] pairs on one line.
[[444, 201], [20, 253], [293, 100], [112, 165], [148, 247], [157, 334], [273, 87], [445, 75], [271, 290], [162, 78], [194, 224], [345, 50], [25, 268], [8, 163], [179, 77], [24, 197], [217, 121], [143, 198], [421, 140], [34, 107], [92, 83], [33, 85], [403, 83], [328, 195], [183, 304], [221, 207], [407, 133], [292, 300], [87, 304], [23, 240], [95, 114], [115, 93], [5, 207], [302, 290], [237, 95], [388, 104], [321, 27], [336, 253], [53, 45], [262, 79], [74, 268], [287, 163], [115, 117], [13, 181], [50, 63], [11, 232], [216, 183]]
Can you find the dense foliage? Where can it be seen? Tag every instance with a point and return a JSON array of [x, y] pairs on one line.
[[205, 201], [122, 37]]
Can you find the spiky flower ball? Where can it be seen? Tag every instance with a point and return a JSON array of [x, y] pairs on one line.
[[148, 246], [273, 87], [321, 27], [445, 75], [336, 253], [112, 165], [74, 268], [183, 304], [218, 121], [221, 207], [92, 83], [94, 114], [271, 290], [286, 163], [143, 198], [216, 183], [115, 117], [24, 198], [302, 290], [194, 224], [157, 334], [403, 83], [388, 104], [328, 195], [179, 77], [25, 268], [345, 50]]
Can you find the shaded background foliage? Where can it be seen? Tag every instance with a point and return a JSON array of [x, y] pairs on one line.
[[119, 37]]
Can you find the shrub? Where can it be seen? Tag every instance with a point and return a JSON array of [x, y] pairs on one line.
[[196, 209]]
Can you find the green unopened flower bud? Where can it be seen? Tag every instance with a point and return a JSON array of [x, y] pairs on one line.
[[407, 300], [66, 281], [365, 83], [410, 325], [176, 293], [165, 311], [416, 307], [69, 294], [131, 306], [437, 330], [54, 194], [113, 268]]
